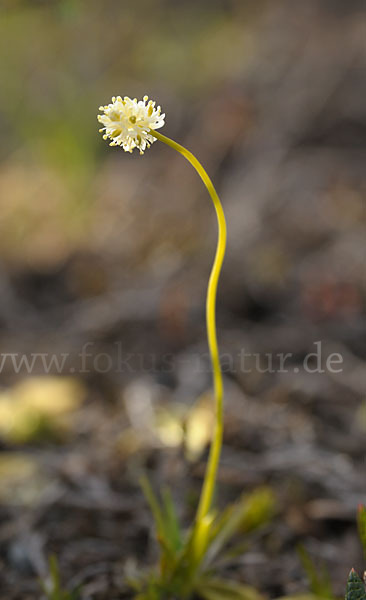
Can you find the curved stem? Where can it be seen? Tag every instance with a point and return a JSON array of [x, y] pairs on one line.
[[216, 444]]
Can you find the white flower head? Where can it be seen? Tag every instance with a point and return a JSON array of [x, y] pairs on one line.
[[127, 122]]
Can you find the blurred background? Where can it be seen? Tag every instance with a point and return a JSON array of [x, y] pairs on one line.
[[104, 262]]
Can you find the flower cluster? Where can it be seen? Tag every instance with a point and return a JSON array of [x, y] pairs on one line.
[[127, 122]]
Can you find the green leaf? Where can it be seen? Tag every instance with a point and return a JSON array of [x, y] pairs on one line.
[[154, 505], [249, 513], [220, 589], [260, 508], [300, 597], [361, 525], [355, 587], [53, 589], [55, 576], [223, 530], [168, 531], [185, 559], [229, 556], [319, 579], [172, 527]]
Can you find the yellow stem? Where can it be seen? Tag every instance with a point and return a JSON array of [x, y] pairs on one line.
[[216, 444]]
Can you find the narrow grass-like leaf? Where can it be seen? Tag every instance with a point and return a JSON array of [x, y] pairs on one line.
[[259, 509], [361, 525], [229, 556], [319, 579], [249, 513], [305, 596], [172, 527], [185, 560], [168, 532], [219, 589], [228, 524], [53, 589], [154, 505]]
